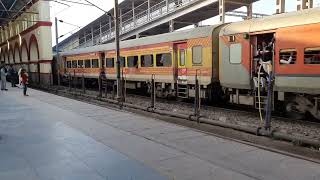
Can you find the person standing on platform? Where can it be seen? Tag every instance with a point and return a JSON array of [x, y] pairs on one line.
[[19, 74], [24, 81], [12, 76], [3, 73]]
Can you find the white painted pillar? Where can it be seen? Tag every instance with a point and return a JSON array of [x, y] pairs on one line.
[[304, 4], [281, 6], [222, 11]]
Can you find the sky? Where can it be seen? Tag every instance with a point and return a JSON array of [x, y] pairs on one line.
[[81, 15]]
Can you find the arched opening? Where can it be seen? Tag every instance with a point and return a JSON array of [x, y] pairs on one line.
[[24, 55], [34, 59], [2, 57], [17, 58], [11, 58], [24, 51], [6, 56]]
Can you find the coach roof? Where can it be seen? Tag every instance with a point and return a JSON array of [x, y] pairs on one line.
[[308, 16], [198, 32]]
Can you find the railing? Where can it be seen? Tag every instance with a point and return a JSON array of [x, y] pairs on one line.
[[156, 11]]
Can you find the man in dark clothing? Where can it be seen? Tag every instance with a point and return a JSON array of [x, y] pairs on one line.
[[12, 76]]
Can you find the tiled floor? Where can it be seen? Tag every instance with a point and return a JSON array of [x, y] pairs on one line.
[[50, 137]]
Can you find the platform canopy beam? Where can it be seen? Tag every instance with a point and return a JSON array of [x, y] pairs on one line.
[[281, 6]]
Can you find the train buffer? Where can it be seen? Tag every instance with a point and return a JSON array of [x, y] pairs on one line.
[[45, 136]]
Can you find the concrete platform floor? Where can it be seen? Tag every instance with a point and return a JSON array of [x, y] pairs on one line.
[[50, 137]]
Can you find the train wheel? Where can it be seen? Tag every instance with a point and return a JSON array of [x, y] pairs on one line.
[[291, 112]]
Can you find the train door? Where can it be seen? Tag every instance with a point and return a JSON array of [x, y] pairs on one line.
[[262, 60], [181, 60], [182, 71]]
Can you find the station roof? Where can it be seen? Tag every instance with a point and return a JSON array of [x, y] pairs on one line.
[[142, 5], [10, 9]]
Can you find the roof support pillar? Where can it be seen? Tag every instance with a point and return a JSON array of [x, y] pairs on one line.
[[281, 6], [148, 9], [167, 5], [100, 33], [110, 26], [304, 4], [120, 18], [222, 12], [133, 14], [249, 11], [171, 25], [92, 36]]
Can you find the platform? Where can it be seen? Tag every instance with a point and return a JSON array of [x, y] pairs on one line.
[[45, 136]]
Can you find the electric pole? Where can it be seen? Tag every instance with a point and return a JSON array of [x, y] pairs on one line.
[[116, 20], [57, 50]]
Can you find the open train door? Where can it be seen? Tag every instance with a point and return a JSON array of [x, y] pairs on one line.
[[182, 71]]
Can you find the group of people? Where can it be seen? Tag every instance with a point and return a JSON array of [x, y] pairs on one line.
[[10, 73], [264, 56]]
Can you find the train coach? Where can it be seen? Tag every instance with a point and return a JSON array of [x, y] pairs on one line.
[[174, 58], [224, 58]]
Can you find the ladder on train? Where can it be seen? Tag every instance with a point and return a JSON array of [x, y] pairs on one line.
[[182, 89], [262, 102]]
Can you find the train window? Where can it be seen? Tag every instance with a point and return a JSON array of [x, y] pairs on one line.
[[68, 64], [74, 64], [87, 63], [122, 61], [182, 57], [197, 54], [312, 56], [147, 60], [235, 53], [80, 64], [95, 63], [164, 60], [110, 62], [288, 56], [132, 61]]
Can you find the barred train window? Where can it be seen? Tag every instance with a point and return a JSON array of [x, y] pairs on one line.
[[235, 53], [132, 61], [87, 63], [197, 54], [312, 56], [74, 64], [110, 62], [80, 64], [288, 56], [95, 63], [147, 61], [164, 60], [68, 64]]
